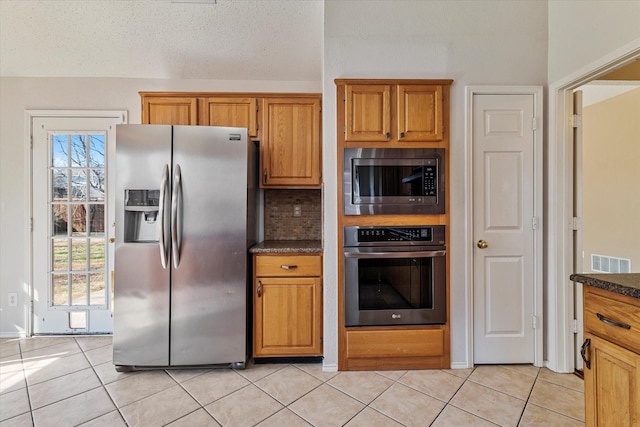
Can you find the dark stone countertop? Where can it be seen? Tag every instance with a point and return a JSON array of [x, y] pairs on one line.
[[625, 284], [287, 247]]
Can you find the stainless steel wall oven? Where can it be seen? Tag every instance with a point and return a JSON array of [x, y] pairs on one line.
[[383, 181], [395, 275]]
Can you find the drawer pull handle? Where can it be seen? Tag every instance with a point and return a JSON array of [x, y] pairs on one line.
[[289, 267], [612, 322], [259, 291], [583, 352]]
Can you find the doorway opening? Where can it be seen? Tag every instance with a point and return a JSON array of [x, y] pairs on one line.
[[563, 300]]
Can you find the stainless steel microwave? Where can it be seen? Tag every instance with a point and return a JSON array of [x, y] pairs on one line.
[[388, 181]]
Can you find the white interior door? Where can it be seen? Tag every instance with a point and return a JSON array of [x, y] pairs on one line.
[[73, 215], [504, 221]]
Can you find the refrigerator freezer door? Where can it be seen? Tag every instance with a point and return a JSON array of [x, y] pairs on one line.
[[141, 305], [208, 302]]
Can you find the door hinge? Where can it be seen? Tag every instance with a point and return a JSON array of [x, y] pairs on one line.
[[534, 123], [344, 97], [344, 129], [576, 223], [575, 121], [534, 223], [575, 326], [31, 142], [257, 106], [534, 322]]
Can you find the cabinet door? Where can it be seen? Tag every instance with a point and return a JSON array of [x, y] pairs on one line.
[[419, 113], [290, 146], [611, 385], [170, 110], [287, 316], [368, 113], [235, 112]]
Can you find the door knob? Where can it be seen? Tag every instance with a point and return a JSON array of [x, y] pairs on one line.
[[112, 240], [482, 244]]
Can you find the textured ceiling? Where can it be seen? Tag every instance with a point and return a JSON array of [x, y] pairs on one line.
[[230, 40]]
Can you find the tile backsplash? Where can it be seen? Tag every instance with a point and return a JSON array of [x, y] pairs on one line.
[[279, 222]]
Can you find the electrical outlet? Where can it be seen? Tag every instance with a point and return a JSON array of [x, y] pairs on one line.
[[13, 299], [297, 210]]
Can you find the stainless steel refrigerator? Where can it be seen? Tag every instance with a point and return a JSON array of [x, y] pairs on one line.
[[184, 222]]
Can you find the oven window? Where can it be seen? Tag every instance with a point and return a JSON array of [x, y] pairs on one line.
[[389, 181], [395, 283]]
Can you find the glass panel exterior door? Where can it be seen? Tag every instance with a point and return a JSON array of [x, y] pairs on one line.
[[73, 224]]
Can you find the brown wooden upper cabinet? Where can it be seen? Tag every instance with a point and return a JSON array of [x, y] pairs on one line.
[[383, 111], [169, 110], [290, 144], [288, 127], [235, 112]]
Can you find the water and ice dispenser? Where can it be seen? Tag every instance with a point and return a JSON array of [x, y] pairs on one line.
[[141, 221]]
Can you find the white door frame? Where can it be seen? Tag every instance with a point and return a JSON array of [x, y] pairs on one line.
[[30, 115], [537, 92], [559, 207]]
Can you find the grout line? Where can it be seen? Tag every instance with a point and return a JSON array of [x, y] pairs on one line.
[[538, 380]]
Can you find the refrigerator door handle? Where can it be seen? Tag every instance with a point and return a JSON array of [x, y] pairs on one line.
[[161, 211], [176, 216]]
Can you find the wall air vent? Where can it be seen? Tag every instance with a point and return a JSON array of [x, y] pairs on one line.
[[607, 264]]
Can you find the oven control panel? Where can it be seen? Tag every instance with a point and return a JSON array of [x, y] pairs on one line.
[[430, 235]]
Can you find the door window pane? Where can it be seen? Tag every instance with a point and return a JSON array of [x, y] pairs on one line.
[[97, 289], [97, 254], [60, 184], [60, 219], [79, 289], [78, 150], [60, 252], [79, 185], [78, 254], [60, 287], [60, 150]]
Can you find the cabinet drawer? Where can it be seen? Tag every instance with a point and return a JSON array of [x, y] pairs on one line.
[[613, 320], [395, 343], [289, 265]]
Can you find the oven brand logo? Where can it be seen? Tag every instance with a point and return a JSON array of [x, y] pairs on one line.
[[396, 316]]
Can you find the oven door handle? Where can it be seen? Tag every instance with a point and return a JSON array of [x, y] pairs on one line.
[[416, 254]]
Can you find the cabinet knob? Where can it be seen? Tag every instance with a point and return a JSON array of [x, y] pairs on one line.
[[289, 267], [264, 176], [259, 290], [388, 134], [401, 134]]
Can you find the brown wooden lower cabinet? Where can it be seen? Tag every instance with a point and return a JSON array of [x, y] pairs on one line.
[[287, 306], [611, 353], [396, 348]]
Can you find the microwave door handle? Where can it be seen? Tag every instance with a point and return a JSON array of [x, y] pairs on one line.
[[416, 254]]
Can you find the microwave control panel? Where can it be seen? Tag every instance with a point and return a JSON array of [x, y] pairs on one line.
[[431, 181]]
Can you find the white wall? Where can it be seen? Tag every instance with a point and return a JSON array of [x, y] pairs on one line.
[[473, 42], [581, 32]]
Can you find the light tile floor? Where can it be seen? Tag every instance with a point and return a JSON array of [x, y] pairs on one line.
[[68, 381]]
